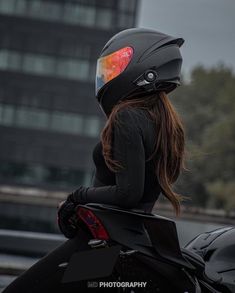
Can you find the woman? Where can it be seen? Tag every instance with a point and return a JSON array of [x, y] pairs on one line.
[[142, 144]]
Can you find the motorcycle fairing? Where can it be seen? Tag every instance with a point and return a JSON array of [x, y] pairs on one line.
[[179, 278], [152, 235], [217, 248]]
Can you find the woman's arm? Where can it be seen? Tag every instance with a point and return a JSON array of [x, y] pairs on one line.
[[128, 149]]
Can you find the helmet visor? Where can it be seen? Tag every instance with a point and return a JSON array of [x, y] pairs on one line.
[[110, 66]]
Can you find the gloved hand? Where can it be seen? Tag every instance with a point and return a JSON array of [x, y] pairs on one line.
[[67, 209]]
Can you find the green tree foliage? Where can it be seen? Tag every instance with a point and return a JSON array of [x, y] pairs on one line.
[[207, 106]]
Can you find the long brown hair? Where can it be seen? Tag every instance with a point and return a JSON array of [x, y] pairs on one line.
[[168, 155]]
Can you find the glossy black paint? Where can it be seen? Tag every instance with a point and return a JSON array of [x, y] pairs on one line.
[[153, 241]]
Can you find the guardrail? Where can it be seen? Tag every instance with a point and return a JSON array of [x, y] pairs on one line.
[[28, 243], [45, 198], [197, 214], [21, 249]]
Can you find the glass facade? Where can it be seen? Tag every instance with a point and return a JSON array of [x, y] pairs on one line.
[[40, 64], [32, 118], [126, 12], [68, 12], [48, 52], [104, 18], [80, 13], [125, 20], [127, 6]]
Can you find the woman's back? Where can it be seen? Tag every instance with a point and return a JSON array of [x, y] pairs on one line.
[[134, 139]]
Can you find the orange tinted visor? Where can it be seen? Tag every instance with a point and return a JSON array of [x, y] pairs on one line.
[[110, 66]]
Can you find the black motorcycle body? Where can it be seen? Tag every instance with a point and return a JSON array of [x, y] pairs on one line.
[[145, 247]]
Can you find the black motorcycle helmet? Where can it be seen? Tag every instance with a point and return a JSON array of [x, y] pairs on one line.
[[135, 61]]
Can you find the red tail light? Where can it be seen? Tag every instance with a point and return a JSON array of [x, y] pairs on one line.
[[93, 223]]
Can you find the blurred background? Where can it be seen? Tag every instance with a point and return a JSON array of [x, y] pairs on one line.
[[50, 120]]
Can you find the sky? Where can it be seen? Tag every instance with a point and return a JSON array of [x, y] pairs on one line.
[[208, 27]]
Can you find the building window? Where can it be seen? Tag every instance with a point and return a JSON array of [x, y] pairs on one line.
[[14, 61], [68, 12], [125, 20], [92, 126], [36, 174], [74, 69], [45, 9], [45, 65], [7, 6], [125, 5], [32, 118], [7, 114], [4, 59], [38, 64], [68, 123], [78, 14], [87, 15], [20, 6], [64, 176], [104, 18]]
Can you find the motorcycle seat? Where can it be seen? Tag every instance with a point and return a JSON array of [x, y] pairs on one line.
[[193, 257]]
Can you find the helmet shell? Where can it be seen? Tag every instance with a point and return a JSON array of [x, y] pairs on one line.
[[153, 52]]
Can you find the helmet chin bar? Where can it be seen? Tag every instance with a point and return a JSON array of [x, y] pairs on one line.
[[107, 108]]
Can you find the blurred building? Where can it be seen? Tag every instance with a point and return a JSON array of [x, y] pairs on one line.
[[49, 119]]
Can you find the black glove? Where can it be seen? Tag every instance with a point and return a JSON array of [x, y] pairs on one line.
[[67, 210]]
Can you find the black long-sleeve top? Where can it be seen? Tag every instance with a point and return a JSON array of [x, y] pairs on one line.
[[135, 185]]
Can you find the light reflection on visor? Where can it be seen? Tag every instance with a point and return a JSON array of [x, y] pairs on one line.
[[110, 66]]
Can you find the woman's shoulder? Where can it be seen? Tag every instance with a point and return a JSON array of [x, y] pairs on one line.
[[132, 120], [133, 116]]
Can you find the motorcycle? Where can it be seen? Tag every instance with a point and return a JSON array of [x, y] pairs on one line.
[[130, 248]]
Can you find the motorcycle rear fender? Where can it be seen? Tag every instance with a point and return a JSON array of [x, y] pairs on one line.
[[149, 234], [86, 264]]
